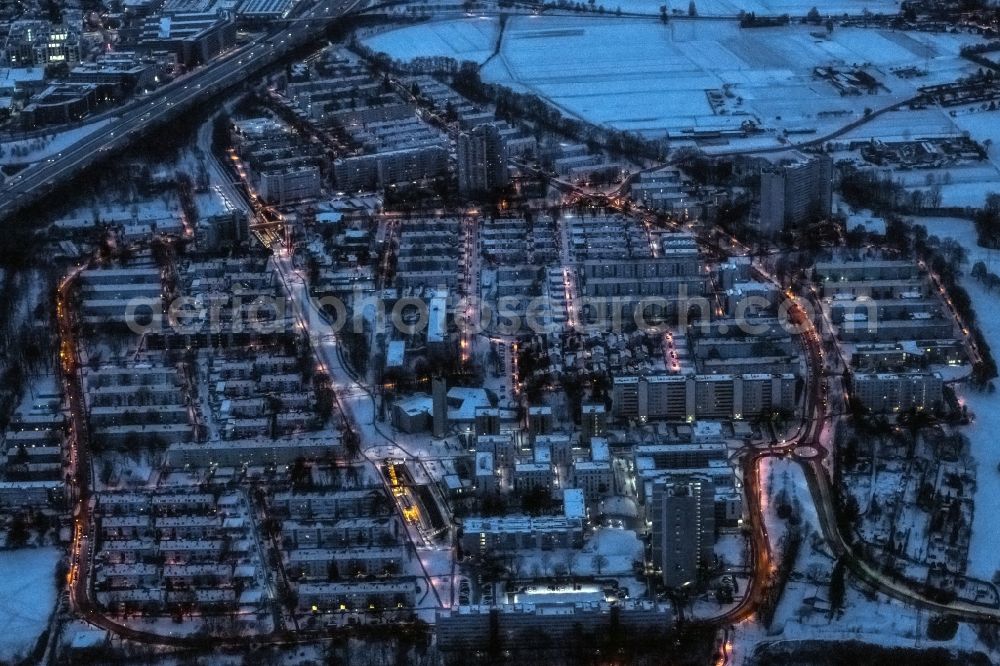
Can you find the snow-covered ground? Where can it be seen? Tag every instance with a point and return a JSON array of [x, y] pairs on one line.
[[27, 151], [463, 39], [163, 211], [657, 79], [904, 126], [965, 194], [620, 548], [964, 185], [608, 551], [124, 471], [981, 126], [731, 547], [27, 597], [783, 481], [759, 7], [437, 568], [864, 218], [873, 619], [803, 612]]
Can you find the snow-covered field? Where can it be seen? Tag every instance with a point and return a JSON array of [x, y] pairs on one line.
[[981, 126], [962, 185], [27, 597], [464, 39], [759, 7], [971, 194], [905, 125], [640, 75]]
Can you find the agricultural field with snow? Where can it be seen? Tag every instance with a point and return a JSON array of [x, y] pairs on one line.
[[658, 79], [760, 7], [464, 39], [961, 186], [905, 125]]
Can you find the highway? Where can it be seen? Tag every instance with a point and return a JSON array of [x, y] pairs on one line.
[[228, 70]]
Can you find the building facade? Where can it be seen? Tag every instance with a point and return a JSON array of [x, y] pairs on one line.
[[690, 397], [882, 392], [683, 527], [793, 190], [482, 162]]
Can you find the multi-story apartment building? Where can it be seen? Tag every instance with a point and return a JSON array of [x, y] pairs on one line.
[[682, 512], [294, 184], [793, 189], [531, 475], [193, 38], [377, 170], [853, 271], [325, 597], [690, 397], [898, 392], [281, 166], [660, 190], [340, 504], [35, 43], [321, 563], [304, 534], [684, 455], [397, 151], [472, 628], [593, 420], [482, 161], [594, 477], [482, 535]]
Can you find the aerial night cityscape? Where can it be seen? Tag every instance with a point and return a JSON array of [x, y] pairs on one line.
[[441, 333]]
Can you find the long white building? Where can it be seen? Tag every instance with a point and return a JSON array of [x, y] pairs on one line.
[[690, 397], [882, 392]]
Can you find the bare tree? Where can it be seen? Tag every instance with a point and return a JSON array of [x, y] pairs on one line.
[[570, 561]]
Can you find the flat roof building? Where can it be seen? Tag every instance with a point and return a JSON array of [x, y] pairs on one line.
[[793, 189], [193, 38]]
